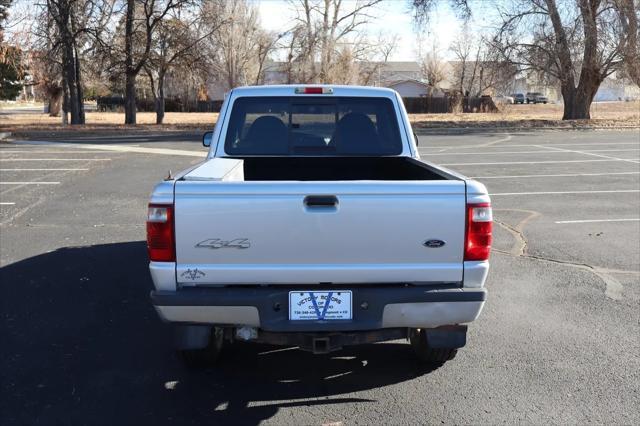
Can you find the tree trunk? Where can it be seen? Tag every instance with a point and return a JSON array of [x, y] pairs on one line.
[[55, 101], [69, 76], [577, 103], [79, 91], [65, 102], [130, 100], [130, 74], [160, 100]]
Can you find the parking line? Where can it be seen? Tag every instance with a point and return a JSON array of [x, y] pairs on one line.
[[567, 192], [64, 151], [526, 152], [558, 175], [55, 159], [530, 145], [29, 183], [7, 204], [593, 155], [505, 139], [41, 170], [528, 162], [600, 220], [120, 148]]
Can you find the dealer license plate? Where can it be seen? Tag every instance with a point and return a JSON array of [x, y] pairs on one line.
[[320, 305]]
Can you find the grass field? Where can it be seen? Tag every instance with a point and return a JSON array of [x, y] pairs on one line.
[[604, 114]]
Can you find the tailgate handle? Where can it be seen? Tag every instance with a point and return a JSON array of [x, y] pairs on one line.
[[321, 201]]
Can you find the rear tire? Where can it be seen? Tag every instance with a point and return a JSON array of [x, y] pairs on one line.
[[426, 354], [196, 359]]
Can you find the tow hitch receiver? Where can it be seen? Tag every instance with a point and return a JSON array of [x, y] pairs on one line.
[[321, 345]]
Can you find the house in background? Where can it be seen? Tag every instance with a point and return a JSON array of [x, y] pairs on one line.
[[409, 88], [617, 88], [406, 78]]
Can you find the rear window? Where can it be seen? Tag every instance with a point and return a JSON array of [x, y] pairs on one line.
[[313, 126]]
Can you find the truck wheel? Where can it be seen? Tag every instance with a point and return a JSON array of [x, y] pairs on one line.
[[426, 354], [204, 357]]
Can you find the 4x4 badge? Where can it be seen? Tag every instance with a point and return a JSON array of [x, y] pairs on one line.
[[217, 243]]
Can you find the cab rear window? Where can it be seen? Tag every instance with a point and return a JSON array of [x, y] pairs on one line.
[[335, 126]]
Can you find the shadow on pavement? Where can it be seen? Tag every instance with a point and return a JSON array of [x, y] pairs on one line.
[[81, 344]]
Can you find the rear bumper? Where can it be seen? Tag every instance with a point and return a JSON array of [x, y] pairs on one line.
[[374, 307]]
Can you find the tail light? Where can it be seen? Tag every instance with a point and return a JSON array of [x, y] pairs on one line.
[[478, 232], [160, 235]]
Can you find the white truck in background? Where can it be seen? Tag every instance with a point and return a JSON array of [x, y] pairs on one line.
[[313, 223]]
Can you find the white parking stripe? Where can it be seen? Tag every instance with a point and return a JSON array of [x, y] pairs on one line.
[[530, 145], [55, 159], [64, 151], [41, 170], [600, 220], [591, 154], [525, 152], [559, 175], [116, 148], [7, 204], [567, 192], [29, 183], [505, 139], [528, 162]]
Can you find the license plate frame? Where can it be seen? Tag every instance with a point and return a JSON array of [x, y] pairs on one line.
[[310, 305]]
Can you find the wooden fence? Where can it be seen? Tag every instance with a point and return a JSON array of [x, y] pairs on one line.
[[421, 105], [449, 104], [116, 103]]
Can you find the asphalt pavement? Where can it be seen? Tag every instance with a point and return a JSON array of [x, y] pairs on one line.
[[557, 342]]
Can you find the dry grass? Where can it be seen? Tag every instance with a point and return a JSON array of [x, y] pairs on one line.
[[610, 114], [606, 114], [112, 119]]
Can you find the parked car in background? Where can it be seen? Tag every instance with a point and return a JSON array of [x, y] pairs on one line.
[[518, 98], [503, 99], [536, 98]]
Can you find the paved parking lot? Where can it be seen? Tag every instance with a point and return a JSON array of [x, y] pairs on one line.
[[558, 341]]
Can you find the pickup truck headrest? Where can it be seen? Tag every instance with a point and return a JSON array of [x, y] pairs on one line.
[[267, 134], [356, 134]]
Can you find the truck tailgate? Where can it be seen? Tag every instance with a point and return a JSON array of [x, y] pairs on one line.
[[319, 232]]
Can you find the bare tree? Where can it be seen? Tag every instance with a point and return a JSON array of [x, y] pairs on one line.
[[64, 16], [373, 57], [432, 66], [323, 30], [62, 36], [422, 9], [240, 47], [466, 50], [579, 43], [176, 46], [628, 15], [141, 26]]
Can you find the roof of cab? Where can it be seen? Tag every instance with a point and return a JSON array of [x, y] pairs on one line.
[[289, 90]]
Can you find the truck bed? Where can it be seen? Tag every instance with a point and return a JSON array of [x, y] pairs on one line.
[[259, 169], [308, 220]]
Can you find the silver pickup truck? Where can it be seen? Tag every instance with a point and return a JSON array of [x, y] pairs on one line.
[[314, 223]]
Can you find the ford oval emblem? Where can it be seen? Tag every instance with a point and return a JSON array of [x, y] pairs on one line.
[[433, 243]]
